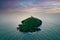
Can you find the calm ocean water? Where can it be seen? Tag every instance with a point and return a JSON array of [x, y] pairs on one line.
[[50, 29]]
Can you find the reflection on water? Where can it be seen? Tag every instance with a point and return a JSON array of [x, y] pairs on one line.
[[38, 29], [50, 29]]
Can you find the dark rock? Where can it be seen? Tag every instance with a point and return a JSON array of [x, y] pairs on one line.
[[30, 24]]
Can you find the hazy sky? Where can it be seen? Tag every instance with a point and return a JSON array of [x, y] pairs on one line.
[[40, 6]]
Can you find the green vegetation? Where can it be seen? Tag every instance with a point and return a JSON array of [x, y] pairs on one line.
[[30, 25]]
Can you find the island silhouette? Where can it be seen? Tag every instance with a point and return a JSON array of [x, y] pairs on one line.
[[30, 24]]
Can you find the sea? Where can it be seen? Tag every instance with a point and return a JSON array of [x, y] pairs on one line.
[[50, 28]]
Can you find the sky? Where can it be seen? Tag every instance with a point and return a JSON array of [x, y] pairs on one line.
[[30, 6]]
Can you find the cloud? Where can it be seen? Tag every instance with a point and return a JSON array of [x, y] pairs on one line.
[[6, 4], [21, 5]]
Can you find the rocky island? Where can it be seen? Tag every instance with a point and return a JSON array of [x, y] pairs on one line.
[[30, 24]]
